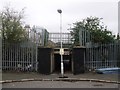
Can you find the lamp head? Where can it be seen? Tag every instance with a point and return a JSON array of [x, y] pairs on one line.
[[59, 11]]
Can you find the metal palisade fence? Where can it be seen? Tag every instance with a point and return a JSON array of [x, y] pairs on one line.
[[0, 53], [102, 56], [22, 56], [39, 35], [19, 56], [99, 55]]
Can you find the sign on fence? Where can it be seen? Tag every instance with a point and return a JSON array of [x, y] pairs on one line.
[[61, 51]]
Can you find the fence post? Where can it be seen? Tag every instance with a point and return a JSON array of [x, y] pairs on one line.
[[36, 62], [0, 55]]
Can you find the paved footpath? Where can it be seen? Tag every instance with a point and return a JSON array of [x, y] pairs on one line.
[[19, 75], [36, 80], [59, 84]]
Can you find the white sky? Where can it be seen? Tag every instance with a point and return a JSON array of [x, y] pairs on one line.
[[44, 12]]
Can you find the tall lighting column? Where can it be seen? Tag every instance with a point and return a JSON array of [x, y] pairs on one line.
[[61, 49]]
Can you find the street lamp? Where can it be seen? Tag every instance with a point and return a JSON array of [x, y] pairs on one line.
[[61, 49]]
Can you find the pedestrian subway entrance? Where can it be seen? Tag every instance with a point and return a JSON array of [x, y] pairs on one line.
[[55, 42], [66, 61], [49, 58]]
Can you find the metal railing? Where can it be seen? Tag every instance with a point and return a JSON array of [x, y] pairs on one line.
[[19, 57], [0, 55], [54, 38], [102, 56], [23, 56], [39, 36]]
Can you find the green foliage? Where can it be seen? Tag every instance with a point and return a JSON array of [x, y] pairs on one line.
[[93, 25], [12, 29]]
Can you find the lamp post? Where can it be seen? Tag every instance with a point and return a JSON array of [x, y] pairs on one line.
[[62, 66]]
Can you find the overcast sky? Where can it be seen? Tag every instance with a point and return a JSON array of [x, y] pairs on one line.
[[44, 12]]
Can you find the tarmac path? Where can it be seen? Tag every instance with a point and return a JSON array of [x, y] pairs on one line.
[[59, 84], [18, 76]]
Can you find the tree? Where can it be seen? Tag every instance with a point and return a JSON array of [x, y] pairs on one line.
[[12, 29], [93, 25]]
